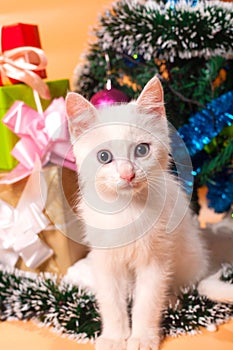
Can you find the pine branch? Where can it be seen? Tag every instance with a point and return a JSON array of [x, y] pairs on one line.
[[216, 164], [164, 32], [183, 98]]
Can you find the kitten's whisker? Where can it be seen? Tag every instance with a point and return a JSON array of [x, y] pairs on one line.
[[174, 180]]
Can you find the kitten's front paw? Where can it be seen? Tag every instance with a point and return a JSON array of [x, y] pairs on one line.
[[110, 344], [143, 343]]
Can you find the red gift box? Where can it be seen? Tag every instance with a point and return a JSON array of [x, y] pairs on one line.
[[18, 35]]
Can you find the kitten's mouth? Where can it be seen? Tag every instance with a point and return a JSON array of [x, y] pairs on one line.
[[122, 184], [129, 185]]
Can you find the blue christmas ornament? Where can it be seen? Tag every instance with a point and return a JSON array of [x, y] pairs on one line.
[[198, 132], [208, 123]]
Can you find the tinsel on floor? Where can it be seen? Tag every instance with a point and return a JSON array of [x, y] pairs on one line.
[[73, 312]]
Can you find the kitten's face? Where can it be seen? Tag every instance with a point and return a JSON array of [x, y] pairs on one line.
[[119, 149]]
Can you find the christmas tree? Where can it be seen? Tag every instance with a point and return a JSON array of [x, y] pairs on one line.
[[189, 45]]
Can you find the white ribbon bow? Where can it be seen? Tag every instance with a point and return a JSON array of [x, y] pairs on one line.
[[19, 226]]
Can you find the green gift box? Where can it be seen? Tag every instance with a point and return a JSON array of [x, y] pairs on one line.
[[21, 92]]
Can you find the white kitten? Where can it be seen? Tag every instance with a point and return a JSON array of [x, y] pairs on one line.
[[136, 218]]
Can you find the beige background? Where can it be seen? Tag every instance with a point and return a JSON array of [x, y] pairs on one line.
[[64, 25]]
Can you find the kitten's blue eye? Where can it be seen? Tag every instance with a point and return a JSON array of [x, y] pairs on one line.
[[142, 150], [104, 156]]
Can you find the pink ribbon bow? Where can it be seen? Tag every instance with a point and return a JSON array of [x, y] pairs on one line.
[[43, 135], [19, 64], [19, 226]]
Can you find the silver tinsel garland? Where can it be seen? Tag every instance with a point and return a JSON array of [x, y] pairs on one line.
[[73, 312], [167, 31]]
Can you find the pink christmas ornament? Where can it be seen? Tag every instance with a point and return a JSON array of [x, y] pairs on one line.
[[108, 97]]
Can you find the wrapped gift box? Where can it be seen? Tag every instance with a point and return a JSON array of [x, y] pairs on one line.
[[66, 251], [18, 35], [8, 95]]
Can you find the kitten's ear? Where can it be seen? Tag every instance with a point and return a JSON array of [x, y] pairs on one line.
[[151, 97], [80, 113]]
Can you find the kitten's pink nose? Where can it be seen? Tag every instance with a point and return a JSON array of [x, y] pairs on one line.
[[126, 171], [127, 176]]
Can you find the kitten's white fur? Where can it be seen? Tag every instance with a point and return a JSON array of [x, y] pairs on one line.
[[167, 251]]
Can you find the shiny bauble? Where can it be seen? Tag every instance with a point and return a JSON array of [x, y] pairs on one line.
[[108, 97]]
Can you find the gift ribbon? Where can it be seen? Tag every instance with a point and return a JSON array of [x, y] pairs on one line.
[[42, 135], [17, 64], [19, 227]]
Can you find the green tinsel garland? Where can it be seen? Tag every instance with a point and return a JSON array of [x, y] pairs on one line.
[[179, 32], [165, 31], [74, 312]]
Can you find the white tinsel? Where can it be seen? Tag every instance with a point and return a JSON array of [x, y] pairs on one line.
[[114, 39], [15, 305]]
